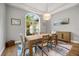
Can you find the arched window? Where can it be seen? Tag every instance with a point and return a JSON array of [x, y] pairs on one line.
[[32, 24]]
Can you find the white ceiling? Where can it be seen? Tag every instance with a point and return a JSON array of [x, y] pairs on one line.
[[41, 8]]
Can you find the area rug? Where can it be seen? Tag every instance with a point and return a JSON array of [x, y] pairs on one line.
[[61, 49]]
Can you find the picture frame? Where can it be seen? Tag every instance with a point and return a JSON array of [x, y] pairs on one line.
[[62, 21], [15, 21], [65, 21]]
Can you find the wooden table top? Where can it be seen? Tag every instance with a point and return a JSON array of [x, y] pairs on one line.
[[35, 37]]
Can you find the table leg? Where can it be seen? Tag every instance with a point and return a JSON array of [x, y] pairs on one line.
[[30, 48], [56, 41], [24, 50]]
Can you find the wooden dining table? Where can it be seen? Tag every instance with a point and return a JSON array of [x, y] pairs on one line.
[[33, 38]]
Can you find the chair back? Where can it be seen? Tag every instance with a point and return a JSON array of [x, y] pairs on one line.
[[23, 40], [53, 37], [45, 38]]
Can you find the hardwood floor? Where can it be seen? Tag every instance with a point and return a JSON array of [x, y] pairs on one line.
[[12, 51], [74, 51]]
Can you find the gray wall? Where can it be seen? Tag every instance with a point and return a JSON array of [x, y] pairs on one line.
[[44, 25], [13, 31], [72, 13], [73, 26], [2, 27]]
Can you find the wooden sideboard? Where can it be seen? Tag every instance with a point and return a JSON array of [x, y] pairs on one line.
[[64, 36]]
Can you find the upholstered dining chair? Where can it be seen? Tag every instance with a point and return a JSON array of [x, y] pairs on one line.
[[24, 46]]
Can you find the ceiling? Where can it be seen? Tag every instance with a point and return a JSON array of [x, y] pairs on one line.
[[41, 8]]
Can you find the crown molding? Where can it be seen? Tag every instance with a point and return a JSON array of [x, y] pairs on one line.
[[37, 11], [64, 7], [25, 7]]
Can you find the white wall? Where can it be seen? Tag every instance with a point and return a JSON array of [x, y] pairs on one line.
[[73, 26], [2, 27]]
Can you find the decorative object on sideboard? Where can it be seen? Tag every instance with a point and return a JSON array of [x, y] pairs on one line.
[[15, 21]]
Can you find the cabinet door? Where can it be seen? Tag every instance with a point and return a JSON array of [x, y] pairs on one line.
[[66, 36], [59, 34]]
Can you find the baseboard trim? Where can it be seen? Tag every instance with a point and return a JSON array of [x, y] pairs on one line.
[[2, 51], [73, 41]]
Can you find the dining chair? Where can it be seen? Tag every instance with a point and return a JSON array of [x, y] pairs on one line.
[[44, 43], [53, 40], [24, 46]]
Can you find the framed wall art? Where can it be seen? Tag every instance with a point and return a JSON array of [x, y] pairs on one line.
[[15, 21]]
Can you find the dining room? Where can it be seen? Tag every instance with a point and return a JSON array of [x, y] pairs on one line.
[[41, 29]]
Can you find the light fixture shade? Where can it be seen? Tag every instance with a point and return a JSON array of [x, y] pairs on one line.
[[46, 16]]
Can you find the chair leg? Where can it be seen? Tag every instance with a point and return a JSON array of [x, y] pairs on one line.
[[42, 51], [23, 52], [35, 49], [51, 45], [55, 45], [47, 47]]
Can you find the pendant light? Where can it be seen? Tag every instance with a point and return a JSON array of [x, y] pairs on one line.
[[46, 15]]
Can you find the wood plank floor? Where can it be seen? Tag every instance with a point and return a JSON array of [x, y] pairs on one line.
[[74, 51], [12, 51]]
